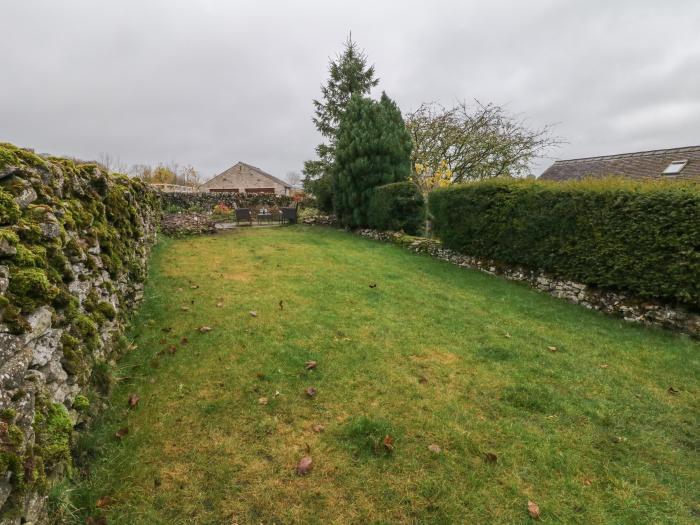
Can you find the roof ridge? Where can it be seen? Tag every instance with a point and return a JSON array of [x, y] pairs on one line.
[[279, 181], [632, 154]]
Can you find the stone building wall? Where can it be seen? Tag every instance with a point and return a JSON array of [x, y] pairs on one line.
[[74, 244], [242, 177]]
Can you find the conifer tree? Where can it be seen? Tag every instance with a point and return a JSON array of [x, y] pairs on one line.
[[348, 74], [373, 149]]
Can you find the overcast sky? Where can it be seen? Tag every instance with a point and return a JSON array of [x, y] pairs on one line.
[[211, 82]]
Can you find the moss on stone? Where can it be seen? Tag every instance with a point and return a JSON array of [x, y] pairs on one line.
[[8, 414], [30, 288], [81, 403], [53, 429], [15, 321], [107, 310], [9, 210]]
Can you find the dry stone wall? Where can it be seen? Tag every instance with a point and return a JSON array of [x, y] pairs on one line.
[[74, 243], [621, 305], [205, 201]]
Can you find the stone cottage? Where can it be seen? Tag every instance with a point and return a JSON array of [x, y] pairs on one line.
[[244, 178]]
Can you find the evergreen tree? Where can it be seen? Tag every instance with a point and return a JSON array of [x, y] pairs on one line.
[[373, 149], [348, 74]]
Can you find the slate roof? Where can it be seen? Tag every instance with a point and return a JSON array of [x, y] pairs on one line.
[[249, 166], [639, 165]]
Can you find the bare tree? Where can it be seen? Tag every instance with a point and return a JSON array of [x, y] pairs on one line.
[[294, 179], [112, 164], [472, 142]]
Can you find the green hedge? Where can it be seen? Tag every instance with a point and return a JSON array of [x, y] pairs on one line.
[[396, 206], [614, 234]]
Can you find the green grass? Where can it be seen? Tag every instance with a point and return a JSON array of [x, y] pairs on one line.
[[433, 354]]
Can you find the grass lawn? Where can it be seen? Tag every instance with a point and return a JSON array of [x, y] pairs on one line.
[[433, 355]]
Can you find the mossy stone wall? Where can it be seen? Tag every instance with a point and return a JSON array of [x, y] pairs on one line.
[[74, 245]]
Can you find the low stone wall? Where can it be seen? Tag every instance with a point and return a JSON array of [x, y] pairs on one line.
[[205, 201], [618, 304], [177, 224], [74, 244]]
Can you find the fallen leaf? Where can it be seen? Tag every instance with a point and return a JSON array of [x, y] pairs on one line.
[[388, 443], [184, 341], [172, 349], [422, 380], [103, 502], [318, 428], [552, 348], [304, 466], [262, 401], [373, 285], [434, 448], [167, 329], [310, 365], [587, 482], [205, 329], [260, 375], [185, 308], [604, 365], [534, 510], [122, 432], [253, 313], [673, 391], [281, 305], [219, 305], [132, 347], [133, 400], [507, 335], [194, 286], [310, 391], [490, 457]]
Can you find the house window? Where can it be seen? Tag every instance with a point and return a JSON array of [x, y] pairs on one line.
[[260, 190], [675, 167]]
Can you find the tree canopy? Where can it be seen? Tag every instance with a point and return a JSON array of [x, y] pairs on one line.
[[373, 149], [348, 74]]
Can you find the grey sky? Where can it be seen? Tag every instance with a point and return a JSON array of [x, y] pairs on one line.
[[211, 82]]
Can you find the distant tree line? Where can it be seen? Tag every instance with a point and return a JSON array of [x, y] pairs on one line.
[[161, 174]]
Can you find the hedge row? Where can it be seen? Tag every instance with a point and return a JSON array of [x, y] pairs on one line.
[[397, 206], [614, 234]]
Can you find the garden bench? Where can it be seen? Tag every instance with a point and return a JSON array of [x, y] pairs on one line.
[[243, 214]]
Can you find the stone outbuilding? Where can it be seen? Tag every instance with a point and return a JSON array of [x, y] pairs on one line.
[[244, 178]]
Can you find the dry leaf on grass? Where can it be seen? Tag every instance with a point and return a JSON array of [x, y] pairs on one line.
[[373, 285], [204, 329], [103, 502], [310, 391], [133, 400], [310, 365], [219, 305], [253, 313], [318, 428], [434, 448], [185, 308], [552, 348], [490, 457], [534, 510], [122, 432], [388, 443], [304, 466], [673, 391], [262, 401]]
